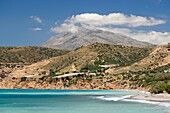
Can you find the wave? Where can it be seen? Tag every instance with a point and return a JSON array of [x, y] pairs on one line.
[[113, 98], [165, 104], [126, 98], [145, 92]]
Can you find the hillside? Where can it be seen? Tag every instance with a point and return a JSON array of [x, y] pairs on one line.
[[28, 54], [159, 56], [71, 41], [89, 57], [152, 72], [102, 66]]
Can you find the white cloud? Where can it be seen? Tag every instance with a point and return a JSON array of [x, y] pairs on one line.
[[94, 19], [65, 28], [106, 22], [37, 19], [153, 37], [112, 19], [37, 29]]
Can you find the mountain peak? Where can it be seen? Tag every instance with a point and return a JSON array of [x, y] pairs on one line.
[[71, 41]]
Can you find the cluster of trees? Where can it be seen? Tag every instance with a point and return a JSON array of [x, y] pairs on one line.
[[157, 80], [160, 87]]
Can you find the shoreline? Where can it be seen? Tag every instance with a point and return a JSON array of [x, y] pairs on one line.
[[141, 97], [152, 97]]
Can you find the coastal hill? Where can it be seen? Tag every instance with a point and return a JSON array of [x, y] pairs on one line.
[[96, 54], [152, 72], [98, 66], [13, 58], [158, 57], [29, 54], [71, 41], [88, 57]]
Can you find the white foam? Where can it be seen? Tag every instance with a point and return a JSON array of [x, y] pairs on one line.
[[124, 98], [165, 104], [113, 98], [145, 92]]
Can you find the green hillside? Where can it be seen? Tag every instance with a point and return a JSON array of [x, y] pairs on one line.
[[28, 54], [96, 54]]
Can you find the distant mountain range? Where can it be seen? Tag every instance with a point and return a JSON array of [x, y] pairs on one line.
[[71, 41]]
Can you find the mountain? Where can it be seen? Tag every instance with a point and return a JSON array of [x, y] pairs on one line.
[[29, 54], [71, 41], [89, 57]]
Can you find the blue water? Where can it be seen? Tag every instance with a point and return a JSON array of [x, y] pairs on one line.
[[73, 101]]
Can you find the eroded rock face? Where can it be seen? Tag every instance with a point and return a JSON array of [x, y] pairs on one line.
[[62, 83]]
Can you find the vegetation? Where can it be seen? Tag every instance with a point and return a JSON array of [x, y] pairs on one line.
[[141, 67], [160, 87], [92, 68], [97, 54], [27, 54], [23, 79], [118, 54], [156, 79]]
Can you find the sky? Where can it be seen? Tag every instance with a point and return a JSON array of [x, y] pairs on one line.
[[32, 22]]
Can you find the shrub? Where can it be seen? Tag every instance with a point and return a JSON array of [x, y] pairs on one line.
[[23, 79], [168, 89], [157, 88]]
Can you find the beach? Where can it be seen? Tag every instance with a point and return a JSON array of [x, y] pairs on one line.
[[152, 97]]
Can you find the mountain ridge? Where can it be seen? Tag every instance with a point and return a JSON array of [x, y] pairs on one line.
[[71, 41]]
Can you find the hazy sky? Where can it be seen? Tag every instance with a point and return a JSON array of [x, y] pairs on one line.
[[32, 22]]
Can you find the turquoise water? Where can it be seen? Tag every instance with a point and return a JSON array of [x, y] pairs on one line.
[[74, 101]]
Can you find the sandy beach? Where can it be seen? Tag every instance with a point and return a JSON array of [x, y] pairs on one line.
[[152, 97], [155, 99]]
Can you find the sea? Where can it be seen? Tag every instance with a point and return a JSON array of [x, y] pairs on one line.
[[76, 101]]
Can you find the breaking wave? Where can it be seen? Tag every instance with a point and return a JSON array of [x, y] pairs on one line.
[[126, 98], [113, 98]]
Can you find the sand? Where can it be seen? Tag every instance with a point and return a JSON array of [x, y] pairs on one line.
[[152, 97]]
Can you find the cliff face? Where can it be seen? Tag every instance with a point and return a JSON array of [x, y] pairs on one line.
[[71, 41]]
